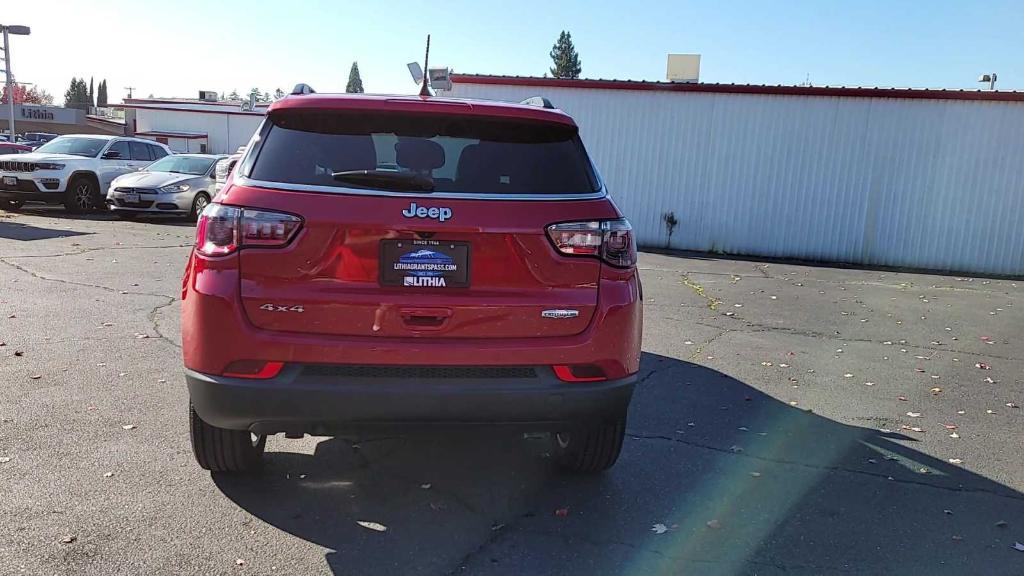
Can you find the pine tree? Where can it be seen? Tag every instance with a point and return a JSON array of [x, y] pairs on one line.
[[567, 61], [69, 94], [355, 82], [253, 92], [278, 94], [92, 93], [101, 94], [265, 97], [234, 95]]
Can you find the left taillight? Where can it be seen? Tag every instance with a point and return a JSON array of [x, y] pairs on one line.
[[610, 240], [224, 229]]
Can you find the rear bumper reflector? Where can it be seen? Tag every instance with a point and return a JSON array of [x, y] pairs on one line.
[[254, 369], [579, 373]]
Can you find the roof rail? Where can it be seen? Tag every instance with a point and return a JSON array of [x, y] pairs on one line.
[[301, 89], [539, 101]]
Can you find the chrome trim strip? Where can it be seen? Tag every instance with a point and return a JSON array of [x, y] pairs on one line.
[[243, 181]]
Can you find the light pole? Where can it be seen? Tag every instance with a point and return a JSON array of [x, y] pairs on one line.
[[18, 31]]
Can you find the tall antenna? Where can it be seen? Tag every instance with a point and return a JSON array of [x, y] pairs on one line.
[[129, 89], [425, 88]]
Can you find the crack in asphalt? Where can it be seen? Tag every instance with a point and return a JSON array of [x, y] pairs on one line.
[[701, 347], [82, 284], [699, 290], [842, 469], [756, 328], [95, 249], [154, 319]]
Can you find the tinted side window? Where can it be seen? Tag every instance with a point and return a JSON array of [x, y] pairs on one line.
[[121, 147], [157, 151], [140, 151]]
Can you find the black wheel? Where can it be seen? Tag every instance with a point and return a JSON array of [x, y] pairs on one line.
[[220, 450], [12, 205], [200, 202], [590, 448], [82, 195]]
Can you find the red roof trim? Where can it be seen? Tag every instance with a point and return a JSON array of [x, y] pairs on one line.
[[235, 104], [181, 135], [194, 110], [906, 93]]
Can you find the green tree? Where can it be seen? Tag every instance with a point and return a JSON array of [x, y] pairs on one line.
[[265, 97], [77, 94], [278, 94], [254, 92], [355, 82], [567, 61], [234, 95], [101, 94], [92, 93]]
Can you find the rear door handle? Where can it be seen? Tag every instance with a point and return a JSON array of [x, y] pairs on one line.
[[425, 318]]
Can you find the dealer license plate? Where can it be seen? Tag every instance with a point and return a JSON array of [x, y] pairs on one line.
[[424, 263]]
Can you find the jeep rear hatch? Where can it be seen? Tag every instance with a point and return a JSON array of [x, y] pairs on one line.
[[410, 224]]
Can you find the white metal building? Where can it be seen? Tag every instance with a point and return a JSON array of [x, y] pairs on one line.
[[189, 125], [928, 179]]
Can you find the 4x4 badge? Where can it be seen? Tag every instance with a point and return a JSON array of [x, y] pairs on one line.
[[560, 313], [439, 214]]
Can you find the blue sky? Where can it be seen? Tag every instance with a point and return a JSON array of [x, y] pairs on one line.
[[175, 48]]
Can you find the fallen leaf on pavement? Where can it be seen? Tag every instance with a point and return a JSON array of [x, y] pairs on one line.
[[562, 512], [755, 474], [375, 526], [1001, 524], [989, 380], [982, 366], [847, 375], [955, 461], [108, 474], [1011, 405], [901, 398], [714, 524], [128, 426], [936, 390], [914, 414], [70, 539], [949, 426], [35, 376], [239, 562], [1018, 546], [426, 486], [5, 459], [659, 528], [954, 435], [990, 411]]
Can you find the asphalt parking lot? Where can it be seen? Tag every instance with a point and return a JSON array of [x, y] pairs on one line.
[[791, 419]]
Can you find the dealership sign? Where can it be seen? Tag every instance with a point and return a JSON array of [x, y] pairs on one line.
[[44, 114]]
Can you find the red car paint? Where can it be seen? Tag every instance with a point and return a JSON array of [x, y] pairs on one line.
[[12, 148], [317, 298]]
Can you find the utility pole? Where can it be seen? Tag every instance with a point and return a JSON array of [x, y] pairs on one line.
[[129, 89], [18, 31]]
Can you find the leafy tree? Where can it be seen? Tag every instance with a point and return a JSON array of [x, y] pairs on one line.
[[92, 93], [266, 97], [567, 61], [355, 82], [254, 92], [77, 94], [234, 95], [25, 95], [278, 94]]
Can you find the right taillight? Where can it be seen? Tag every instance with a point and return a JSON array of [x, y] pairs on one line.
[[611, 240], [224, 229]]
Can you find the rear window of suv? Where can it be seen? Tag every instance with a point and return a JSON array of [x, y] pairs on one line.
[[460, 154]]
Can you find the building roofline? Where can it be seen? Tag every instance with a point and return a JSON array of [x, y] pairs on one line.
[[235, 112], [232, 103], [847, 91], [174, 134]]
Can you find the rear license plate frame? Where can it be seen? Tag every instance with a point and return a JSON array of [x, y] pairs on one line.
[[396, 272]]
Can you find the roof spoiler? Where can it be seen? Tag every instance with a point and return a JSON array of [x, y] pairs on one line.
[[540, 102], [301, 89]]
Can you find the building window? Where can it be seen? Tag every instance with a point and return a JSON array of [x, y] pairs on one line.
[[202, 148]]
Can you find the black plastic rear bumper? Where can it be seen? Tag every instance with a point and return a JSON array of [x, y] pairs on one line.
[[297, 402]]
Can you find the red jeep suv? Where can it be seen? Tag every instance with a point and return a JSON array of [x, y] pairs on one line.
[[380, 260]]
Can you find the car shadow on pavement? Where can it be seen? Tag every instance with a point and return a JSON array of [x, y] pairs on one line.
[[26, 232], [716, 477]]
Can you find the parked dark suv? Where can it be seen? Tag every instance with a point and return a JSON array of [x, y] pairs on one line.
[[378, 260]]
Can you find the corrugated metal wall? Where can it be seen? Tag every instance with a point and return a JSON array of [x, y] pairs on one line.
[[936, 184]]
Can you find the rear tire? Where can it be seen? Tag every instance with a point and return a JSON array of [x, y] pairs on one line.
[[82, 195], [200, 202], [590, 448], [221, 450]]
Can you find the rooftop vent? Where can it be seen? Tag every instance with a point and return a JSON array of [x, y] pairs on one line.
[[683, 68], [207, 95]]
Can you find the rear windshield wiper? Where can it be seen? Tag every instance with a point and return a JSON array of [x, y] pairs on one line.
[[387, 180]]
